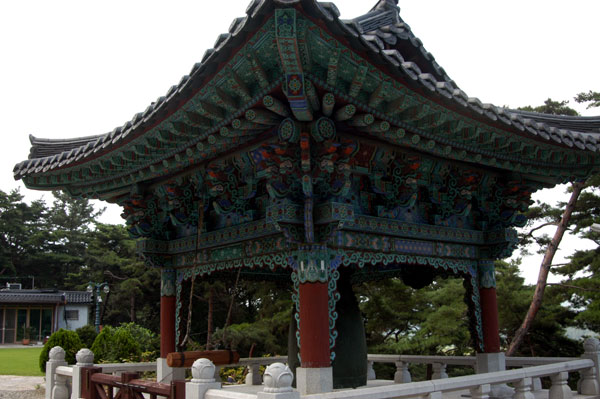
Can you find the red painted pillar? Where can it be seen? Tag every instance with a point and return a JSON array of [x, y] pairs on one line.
[[167, 325], [167, 312], [489, 305], [314, 325], [489, 319]]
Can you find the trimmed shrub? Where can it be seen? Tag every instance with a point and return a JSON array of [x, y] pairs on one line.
[[87, 335], [102, 344], [68, 340], [148, 341], [115, 345], [124, 347]]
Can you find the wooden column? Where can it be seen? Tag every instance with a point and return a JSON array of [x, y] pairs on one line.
[[489, 306], [167, 312], [489, 319], [314, 325]]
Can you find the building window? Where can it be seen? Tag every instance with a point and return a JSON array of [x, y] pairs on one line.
[[72, 314]]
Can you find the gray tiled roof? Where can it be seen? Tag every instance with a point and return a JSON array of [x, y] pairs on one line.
[[41, 148], [8, 296], [381, 32]]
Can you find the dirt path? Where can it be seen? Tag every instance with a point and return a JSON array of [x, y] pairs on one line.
[[18, 387]]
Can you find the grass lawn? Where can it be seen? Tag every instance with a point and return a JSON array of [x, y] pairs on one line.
[[20, 361]]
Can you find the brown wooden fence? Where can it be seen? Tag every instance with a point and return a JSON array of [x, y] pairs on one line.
[[95, 385]]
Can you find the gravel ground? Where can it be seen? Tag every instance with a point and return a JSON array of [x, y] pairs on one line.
[[16, 387]]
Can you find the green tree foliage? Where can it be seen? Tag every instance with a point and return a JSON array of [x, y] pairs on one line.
[[385, 320], [591, 97], [433, 320], [22, 238], [581, 287], [148, 341], [70, 221], [429, 320], [548, 246], [110, 256], [43, 242], [263, 312], [546, 337], [68, 340]]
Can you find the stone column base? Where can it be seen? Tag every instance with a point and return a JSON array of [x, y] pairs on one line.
[[166, 374], [488, 363], [314, 380]]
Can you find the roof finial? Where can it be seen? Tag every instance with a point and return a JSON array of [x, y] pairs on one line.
[[387, 5]]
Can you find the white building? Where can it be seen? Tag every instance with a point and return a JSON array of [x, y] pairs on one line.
[[40, 312]]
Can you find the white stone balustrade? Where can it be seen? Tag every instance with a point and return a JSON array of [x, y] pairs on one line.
[[278, 377]]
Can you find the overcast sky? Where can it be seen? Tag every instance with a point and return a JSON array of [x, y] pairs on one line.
[[79, 68]]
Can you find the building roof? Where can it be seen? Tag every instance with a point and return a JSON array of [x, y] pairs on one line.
[[44, 296], [192, 121]]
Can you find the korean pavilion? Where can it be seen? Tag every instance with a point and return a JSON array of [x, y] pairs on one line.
[[326, 152]]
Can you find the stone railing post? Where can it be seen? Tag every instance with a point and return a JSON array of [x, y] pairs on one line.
[[253, 377], [588, 383], [370, 371], [439, 371], [536, 382], [278, 380], [490, 362], [481, 392], [559, 388], [402, 375], [203, 379], [60, 389], [591, 347], [56, 358], [85, 358], [523, 389]]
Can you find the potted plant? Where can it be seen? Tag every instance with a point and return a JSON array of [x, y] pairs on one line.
[[26, 335]]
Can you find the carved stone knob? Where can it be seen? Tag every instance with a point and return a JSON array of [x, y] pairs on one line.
[[57, 354], [591, 345], [203, 371], [84, 357], [278, 378]]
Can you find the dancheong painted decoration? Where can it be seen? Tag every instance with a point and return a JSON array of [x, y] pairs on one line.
[[324, 152]]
